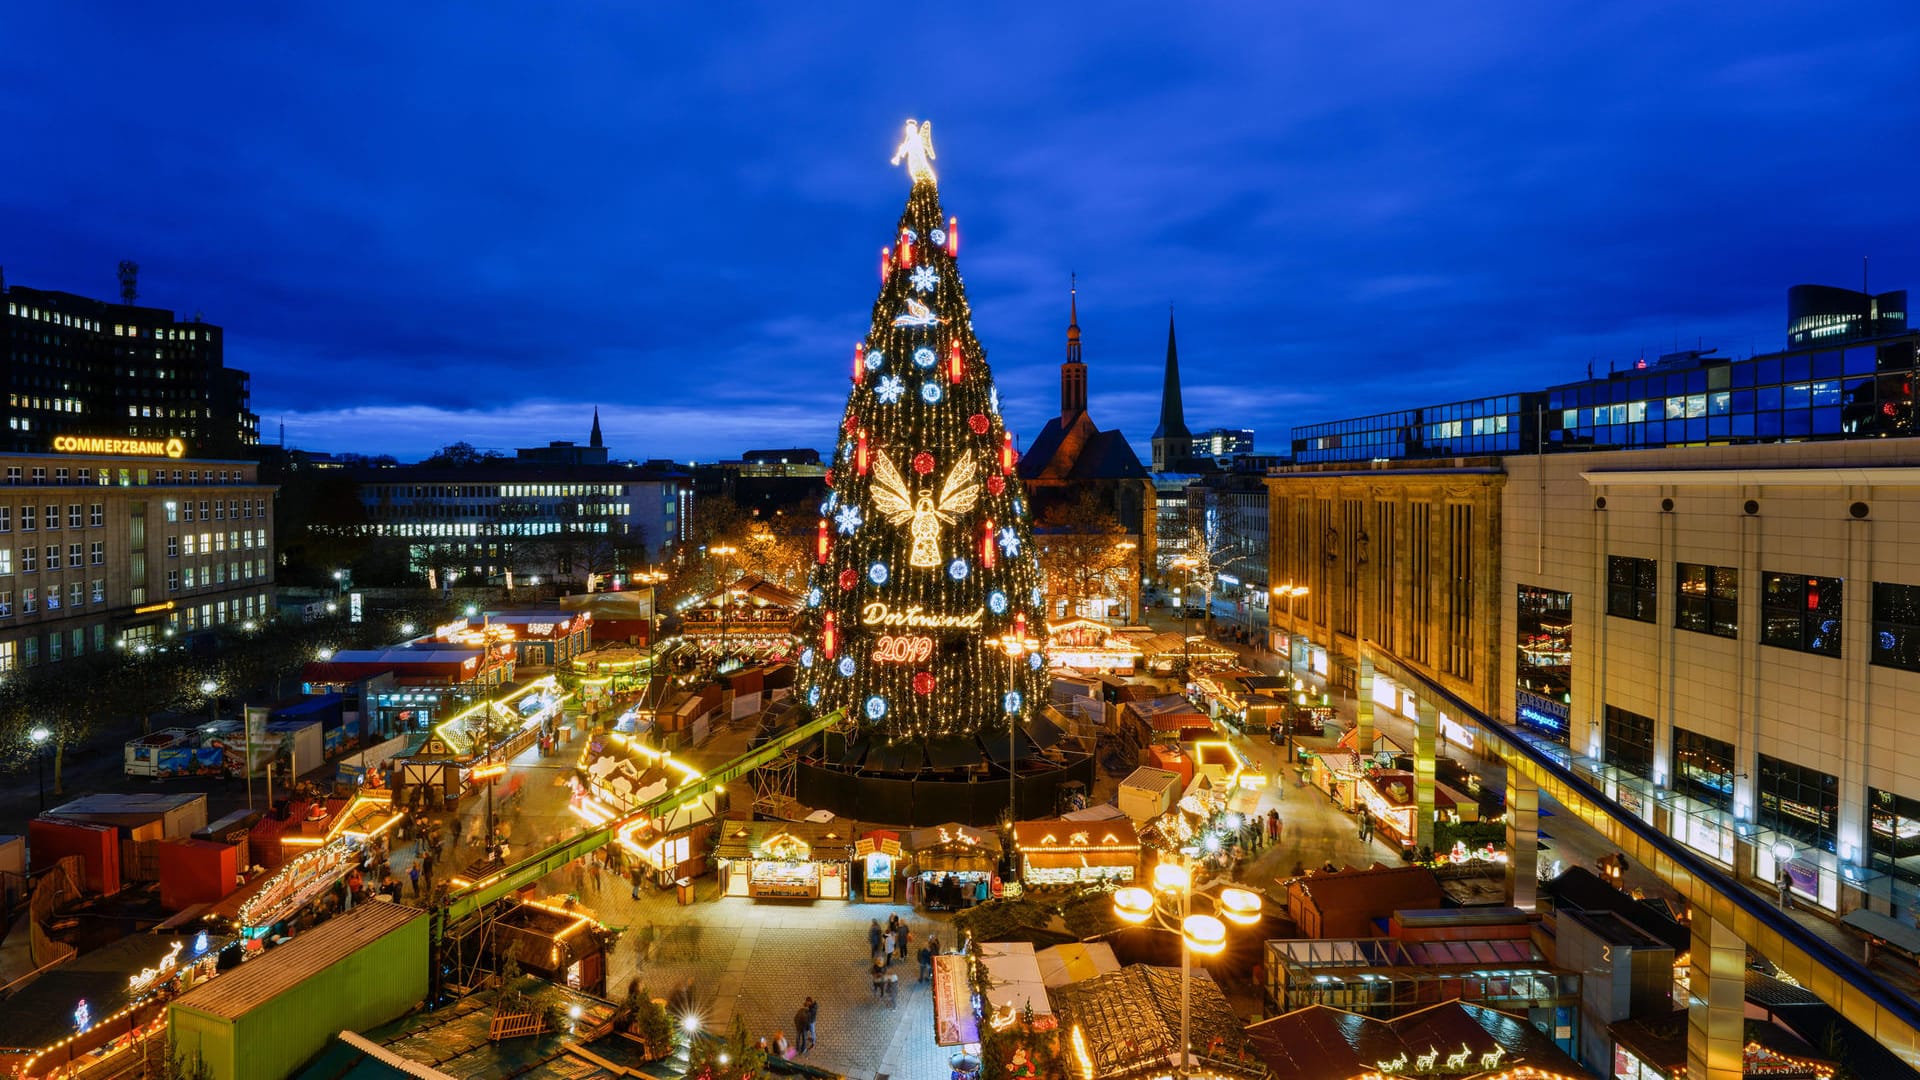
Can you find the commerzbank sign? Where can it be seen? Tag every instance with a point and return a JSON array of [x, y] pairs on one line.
[[98, 444]]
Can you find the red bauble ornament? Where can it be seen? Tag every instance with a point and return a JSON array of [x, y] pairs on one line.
[[848, 579], [828, 478], [979, 423], [923, 682], [923, 463], [996, 484], [850, 425]]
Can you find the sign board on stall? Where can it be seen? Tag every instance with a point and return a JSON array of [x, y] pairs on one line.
[[954, 1023]]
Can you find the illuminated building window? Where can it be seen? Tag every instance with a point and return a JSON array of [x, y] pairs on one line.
[[1632, 588], [1800, 613]]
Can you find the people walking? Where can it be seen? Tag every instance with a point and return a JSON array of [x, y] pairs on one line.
[[873, 936], [903, 936], [811, 1031], [893, 990], [1785, 884], [878, 976], [800, 1030], [886, 949]]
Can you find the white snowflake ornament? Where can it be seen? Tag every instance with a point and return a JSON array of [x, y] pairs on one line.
[[890, 389]]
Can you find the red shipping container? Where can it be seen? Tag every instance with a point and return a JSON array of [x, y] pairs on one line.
[[196, 872], [50, 839], [1173, 760]]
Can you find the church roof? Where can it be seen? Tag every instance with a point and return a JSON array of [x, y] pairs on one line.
[[1173, 416], [1103, 455]]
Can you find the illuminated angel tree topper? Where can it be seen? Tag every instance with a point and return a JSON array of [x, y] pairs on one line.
[[924, 557]]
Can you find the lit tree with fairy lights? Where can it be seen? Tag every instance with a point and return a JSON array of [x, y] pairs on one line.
[[924, 562]]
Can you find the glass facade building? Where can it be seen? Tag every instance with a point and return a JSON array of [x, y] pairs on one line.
[[1839, 386], [1505, 424]]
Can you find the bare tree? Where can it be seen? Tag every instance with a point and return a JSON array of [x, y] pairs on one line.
[[1086, 553]]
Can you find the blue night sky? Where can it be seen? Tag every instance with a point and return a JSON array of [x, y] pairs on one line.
[[436, 221]]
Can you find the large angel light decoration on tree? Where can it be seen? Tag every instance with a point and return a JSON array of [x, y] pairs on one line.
[[892, 497]]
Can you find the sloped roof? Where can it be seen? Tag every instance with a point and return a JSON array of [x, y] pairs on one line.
[[251, 985], [1322, 1042], [1130, 1022]]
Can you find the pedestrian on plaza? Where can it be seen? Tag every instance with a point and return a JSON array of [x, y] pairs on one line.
[[780, 1044], [878, 976], [893, 990], [427, 866], [813, 1019], [1785, 885], [800, 1030], [1273, 826], [634, 876], [873, 936], [886, 949], [413, 879], [456, 830], [902, 938], [933, 945], [926, 963]]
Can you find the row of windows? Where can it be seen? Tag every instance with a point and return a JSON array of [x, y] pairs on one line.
[[191, 577], [189, 544], [525, 528], [29, 401], [59, 644], [37, 475], [28, 311], [1763, 371], [94, 517], [1797, 611], [76, 593], [212, 510], [386, 492], [94, 554]]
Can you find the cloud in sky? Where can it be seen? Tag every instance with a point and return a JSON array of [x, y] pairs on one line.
[[473, 222]]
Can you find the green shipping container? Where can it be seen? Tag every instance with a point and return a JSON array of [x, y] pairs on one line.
[[266, 1018]]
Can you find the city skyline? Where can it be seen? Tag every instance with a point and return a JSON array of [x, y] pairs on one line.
[[458, 239]]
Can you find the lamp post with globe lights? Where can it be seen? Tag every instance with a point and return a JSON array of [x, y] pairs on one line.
[[1169, 905], [39, 736], [1017, 645]]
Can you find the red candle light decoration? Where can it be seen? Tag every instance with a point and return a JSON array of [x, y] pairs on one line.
[[829, 637], [1007, 455], [886, 264], [956, 363], [860, 457], [1019, 624], [822, 542], [906, 250], [986, 544], [859, 362], [953, 237]]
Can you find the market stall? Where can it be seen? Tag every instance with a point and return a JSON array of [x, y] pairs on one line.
[[952, 866], [1222, 763], [1387, 795], [1090, 646], [1338, 774], [620, 773], [877, 857], [786, 860], [1057, 852]]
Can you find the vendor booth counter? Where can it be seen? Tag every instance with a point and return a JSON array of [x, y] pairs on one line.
[[953, 866], [786, 860], [1059, 852]]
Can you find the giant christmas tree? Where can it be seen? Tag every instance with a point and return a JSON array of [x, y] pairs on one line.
[[924, 557]]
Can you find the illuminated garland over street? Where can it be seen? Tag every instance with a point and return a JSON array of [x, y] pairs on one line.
[[923, 551]]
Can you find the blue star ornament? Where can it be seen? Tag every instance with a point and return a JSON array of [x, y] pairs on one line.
[[1009, 541], [847, 520]]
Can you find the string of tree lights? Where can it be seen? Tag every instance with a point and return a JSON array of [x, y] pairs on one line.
[[923, 553]]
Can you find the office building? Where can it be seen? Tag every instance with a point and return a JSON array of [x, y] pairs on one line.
[[1848, 373], [116, 543], [1223, 445], [84, 367], [508, 522]]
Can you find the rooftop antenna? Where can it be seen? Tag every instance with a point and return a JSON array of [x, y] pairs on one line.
[[129, 281]]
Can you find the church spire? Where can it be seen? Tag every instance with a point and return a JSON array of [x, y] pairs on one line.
[[594, 439], [1172, 442], [1073, 373]]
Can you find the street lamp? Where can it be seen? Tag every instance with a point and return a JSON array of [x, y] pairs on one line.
[[1186, 563], [1170, 906], [726, 595], [39, 735], [1016, 646], [207, 689], [1289, 592]]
